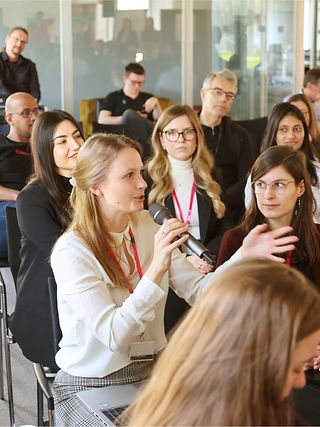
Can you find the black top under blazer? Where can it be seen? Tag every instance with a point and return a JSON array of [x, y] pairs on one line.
[[40, 228]]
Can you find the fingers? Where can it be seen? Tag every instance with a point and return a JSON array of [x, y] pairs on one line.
[[258, 229]]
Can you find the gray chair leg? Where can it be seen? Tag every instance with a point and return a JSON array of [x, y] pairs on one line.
[[7, 341]]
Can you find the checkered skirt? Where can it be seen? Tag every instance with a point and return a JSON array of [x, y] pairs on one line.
[[71, 411]]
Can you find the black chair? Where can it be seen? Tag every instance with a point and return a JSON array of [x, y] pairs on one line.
[[4, 263], [14, 245], [6, 340], [117, 129], [43, 386], [255, 129], [14, 235]]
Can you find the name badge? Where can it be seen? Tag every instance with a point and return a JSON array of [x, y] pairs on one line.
[[142, 351]]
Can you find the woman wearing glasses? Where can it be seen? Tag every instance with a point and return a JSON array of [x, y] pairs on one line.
[[180, 178], [287, 127], [281, 195], [43, 214]]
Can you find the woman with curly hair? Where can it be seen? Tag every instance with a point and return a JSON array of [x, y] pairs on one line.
[[180, 177]]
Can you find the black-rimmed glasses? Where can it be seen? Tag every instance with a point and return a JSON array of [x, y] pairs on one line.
[[173, 135], [219, 92]]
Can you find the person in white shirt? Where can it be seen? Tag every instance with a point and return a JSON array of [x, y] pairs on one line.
[[113, 267]]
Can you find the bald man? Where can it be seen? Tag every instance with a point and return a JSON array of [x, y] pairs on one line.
[[21, 110]]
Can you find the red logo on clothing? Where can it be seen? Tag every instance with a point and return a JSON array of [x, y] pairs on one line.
[[22, 153]]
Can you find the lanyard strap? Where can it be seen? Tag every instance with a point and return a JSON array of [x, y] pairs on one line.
[[136, 259], [288, 259], [174, 195]]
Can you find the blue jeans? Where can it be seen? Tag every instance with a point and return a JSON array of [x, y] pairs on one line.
[[3, 228]]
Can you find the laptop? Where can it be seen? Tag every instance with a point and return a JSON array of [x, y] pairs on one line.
[[107, 403]]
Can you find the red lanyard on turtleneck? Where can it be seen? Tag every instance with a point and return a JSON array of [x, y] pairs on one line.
[[288, 259], [175, 197]]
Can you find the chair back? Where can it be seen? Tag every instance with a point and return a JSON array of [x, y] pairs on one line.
[[117, 129], [256, 129], [14, 241], [57, 334]]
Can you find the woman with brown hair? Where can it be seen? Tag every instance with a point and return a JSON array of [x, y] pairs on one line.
[[302, 102], [180, 175], [239, 352], [281, 195], [287, 127]]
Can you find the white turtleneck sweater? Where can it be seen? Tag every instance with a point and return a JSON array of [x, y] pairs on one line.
[[182, 177]]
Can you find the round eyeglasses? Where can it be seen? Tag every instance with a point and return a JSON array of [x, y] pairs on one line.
[[279, 187], [173, 135]]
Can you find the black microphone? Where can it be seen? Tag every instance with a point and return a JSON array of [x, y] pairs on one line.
[[160, 213]]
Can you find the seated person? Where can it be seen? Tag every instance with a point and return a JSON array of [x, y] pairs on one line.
[[237, 355], [21, 110], [180, 178], [43, 213], [129, 106], [228, 142], [281, 196], [113, 267], [287, 127]]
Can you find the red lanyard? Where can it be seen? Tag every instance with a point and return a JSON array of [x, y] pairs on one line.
[[288, 259], [136, 258], [174, 195]]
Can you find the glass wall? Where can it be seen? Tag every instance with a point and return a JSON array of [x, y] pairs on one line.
[[109, 34], [254, 39], [41, 18]]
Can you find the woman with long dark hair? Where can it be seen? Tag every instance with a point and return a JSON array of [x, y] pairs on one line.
[[43, 212], [287, 127], [281, 196]]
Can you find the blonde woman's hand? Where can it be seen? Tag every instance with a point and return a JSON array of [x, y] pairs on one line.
[[199, 264], [260, 242], [168, 238]]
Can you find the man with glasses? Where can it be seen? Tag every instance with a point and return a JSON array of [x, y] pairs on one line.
[[17, 73], [229, 143], [135, 109], [21, 110]]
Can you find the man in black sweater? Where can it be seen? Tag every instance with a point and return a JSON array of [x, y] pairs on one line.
[[17, 73], [131, 107], [21, 110], [229, 143]]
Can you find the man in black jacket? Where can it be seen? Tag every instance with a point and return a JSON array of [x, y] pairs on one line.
[[229, 143], [17, 73]]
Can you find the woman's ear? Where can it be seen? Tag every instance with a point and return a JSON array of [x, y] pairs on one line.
[[302, 188], [96, 191]]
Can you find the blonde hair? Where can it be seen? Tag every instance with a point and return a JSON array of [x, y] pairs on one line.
[[228, 361], [202, 161], [93, 161]]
